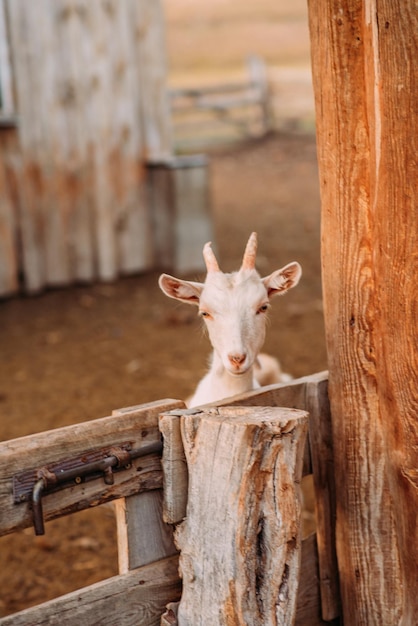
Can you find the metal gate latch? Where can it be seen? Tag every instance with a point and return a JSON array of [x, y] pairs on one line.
[[32, 485]]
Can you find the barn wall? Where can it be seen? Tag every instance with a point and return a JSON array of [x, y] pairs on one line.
[[92, 111], [9, 153], [366, 91]]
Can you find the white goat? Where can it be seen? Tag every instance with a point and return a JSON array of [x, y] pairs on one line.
[[234, 307]]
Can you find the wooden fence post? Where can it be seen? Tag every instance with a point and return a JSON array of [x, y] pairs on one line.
[[240, 543], [366, 92], [143, 536]]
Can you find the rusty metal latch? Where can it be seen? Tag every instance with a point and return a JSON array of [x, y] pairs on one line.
[[32, 485]]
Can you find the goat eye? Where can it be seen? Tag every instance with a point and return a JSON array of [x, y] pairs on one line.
[[205, 314], [263, 308]]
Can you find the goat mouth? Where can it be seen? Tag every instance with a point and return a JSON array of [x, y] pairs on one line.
[[238, 372]]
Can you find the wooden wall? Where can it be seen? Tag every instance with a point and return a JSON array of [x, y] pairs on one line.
[[92, 111], [366, 89]]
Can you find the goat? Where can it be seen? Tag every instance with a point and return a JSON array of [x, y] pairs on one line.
[[234, 308]]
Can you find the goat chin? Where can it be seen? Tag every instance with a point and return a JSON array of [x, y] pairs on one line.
[[267, 371]]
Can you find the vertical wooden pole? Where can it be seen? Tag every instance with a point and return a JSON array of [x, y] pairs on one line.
[[143, 536], [240, 543], [366, 91]]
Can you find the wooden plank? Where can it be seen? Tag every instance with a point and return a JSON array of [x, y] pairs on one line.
[[142, 533], [138, 597], [143, 536], [240, 543], [74, 61], [322, 455], [366, 94], [206, 90], [34, 451], [395, 252], [174, 464], [31, 123], [308, 610], [148, 22], [8, 234], [126, 146]]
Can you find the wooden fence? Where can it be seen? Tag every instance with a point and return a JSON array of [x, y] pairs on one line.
[[225, 111], [259, 440]]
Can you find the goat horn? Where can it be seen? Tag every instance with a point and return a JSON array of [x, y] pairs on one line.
[[248, 261], [210, 258]]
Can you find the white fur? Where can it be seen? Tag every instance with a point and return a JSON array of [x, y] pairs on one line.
[[234, 308]]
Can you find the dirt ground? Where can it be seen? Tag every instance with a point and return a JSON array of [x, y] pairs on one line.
[[72, 355], [76, 354]]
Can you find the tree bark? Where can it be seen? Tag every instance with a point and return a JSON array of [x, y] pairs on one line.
[[240, 543]]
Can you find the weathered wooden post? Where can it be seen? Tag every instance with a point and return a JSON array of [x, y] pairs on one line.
[[366, 90], [240, 542]]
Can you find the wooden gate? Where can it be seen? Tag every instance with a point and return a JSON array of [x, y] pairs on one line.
[[124, 599], [118, 458]]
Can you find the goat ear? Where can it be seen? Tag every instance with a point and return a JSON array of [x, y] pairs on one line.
[[282, 280], [183, 290]]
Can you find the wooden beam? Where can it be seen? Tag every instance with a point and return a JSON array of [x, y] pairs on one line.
[[366, 91], [308, 609], [240, 543], [143, 535], [138, 597], [38, 450]]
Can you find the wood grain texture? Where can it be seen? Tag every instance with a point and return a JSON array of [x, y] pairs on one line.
[[308, 609], [138, 597], [309, 393], [322, 455], [143, 535], [174, 464], [35, 451], [240, 543], [366, 92], [90, 115], [8, 245]]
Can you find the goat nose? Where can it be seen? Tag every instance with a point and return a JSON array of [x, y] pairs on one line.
[[237, 359]]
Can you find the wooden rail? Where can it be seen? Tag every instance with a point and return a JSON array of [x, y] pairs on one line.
[[145, 519], [210, 112]]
